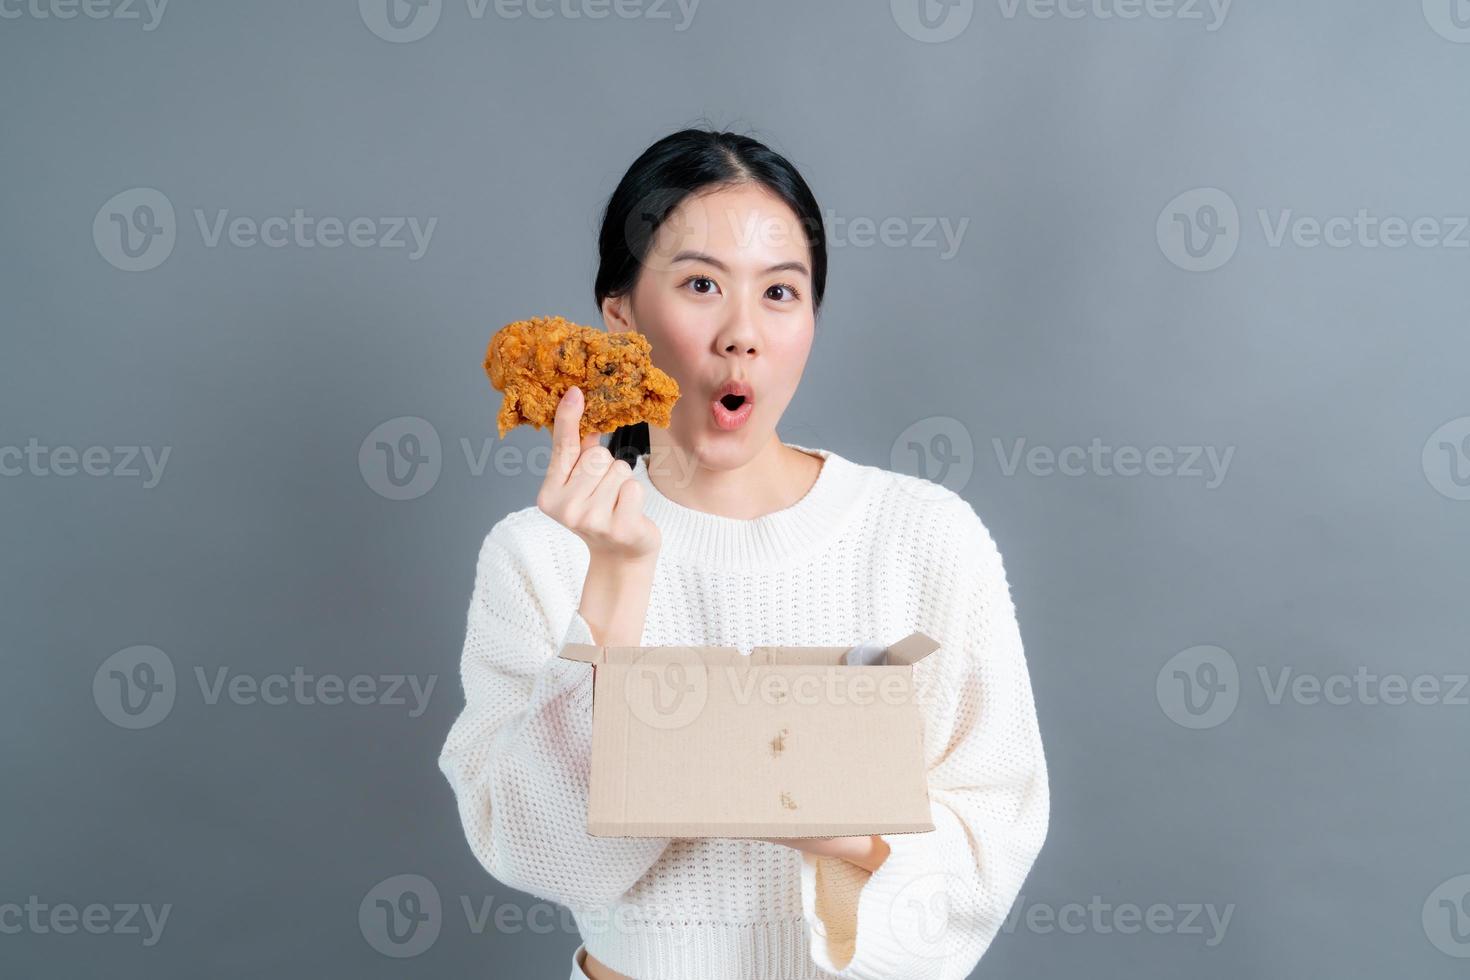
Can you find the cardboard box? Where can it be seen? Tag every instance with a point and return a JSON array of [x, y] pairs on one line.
[[785, 742]]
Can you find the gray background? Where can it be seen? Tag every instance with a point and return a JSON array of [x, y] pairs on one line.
[[1334, 542]]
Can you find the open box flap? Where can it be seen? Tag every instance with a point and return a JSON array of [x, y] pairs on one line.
[[710, 656], [584, 652], [906, 652], [912, 648]]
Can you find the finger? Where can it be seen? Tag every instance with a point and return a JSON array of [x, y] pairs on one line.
[[605, 494], [629, 503], [594, 463], [564, 441]]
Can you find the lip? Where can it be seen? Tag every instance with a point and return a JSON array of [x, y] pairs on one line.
[[724, 418], [734, 387]]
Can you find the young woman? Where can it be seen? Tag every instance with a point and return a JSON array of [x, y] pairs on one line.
[[715, 532]]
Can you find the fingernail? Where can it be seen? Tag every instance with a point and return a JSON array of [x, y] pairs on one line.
[[573, 393]]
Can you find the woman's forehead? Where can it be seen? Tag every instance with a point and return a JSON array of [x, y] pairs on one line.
[[747, 224]]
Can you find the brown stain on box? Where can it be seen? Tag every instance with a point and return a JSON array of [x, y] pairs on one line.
[[778, 744], [787, 801]]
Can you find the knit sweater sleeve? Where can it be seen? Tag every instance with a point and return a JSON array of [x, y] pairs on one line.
[[931, 910], [518, 756]]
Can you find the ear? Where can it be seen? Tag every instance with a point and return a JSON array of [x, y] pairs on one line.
[[617, 314]]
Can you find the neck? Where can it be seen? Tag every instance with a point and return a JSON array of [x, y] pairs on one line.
[[790, 517], [774, 478]]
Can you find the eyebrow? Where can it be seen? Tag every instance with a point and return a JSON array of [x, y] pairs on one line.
[[711, 260]]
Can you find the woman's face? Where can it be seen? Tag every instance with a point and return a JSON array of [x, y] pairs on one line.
[[724, 294]]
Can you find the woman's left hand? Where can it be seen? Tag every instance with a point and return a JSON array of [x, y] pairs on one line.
[[866, 851]]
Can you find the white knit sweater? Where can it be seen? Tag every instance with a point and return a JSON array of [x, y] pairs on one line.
[[866, 554]]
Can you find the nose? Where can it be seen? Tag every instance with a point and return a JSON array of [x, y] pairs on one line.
[[739, 336]]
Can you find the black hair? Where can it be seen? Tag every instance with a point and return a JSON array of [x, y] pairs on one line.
[[666, 173]]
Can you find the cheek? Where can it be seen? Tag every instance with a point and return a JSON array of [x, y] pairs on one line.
[[681, 357], [671, 335], [788, 352]]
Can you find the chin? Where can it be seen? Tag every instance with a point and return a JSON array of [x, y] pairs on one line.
[[717, 450]]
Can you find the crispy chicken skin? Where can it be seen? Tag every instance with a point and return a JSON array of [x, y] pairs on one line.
[[535, 361]]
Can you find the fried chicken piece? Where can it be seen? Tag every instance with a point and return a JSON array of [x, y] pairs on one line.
[[535, 361]]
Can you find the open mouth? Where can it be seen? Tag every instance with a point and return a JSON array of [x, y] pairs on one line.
[[732, 405]]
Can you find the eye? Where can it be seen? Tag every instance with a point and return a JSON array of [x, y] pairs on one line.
[[700, 283], [786, 286]]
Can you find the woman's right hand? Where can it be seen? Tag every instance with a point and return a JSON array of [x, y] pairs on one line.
[[593, 494]]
